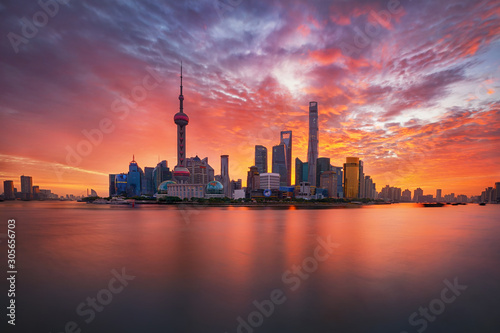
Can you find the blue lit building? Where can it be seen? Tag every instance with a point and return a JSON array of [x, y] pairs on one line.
[[134, 179], [121, 184]]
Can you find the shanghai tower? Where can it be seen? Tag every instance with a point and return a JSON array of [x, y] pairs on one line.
[[312, 152], [181, 173]]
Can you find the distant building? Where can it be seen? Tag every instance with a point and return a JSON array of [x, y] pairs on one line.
[[8, 190], [351, 177], [186, 191], [369, 188], [201, 171], [497, 188], [279, 163], [36, 192], [406, 196], [438, 195], [26, 187], [239, 194], [236, 185], [161, 173], [121, 184], [322, 165], [112, 184], [299, 167], [312, 150], [286, 140], [328, 181], [253, 179], [418, 194], [224, 173], [340, 181], [134, 177], [361, 186], [270, 181], [147, 182], [214, 189], [261, 158]]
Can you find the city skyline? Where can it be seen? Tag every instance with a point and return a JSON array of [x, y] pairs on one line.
[[442, 128]]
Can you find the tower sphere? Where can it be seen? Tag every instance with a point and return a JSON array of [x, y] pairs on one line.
[[181, 119]]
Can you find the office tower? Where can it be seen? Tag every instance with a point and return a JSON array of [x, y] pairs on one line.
[[224, 174], [497, 188], [299, 169], [261, 158], [26, 187], [253, 179], [134, 179], [286, 139], [328, 181], [112, 185], [161, 173], [438, 195], [361, 189], [181, 173], [368, 187], [418, 195], [312, 151], [200, 171], [340, 180], [279, 163], [8, 190], [406, 196], [270, 181], [322, 165], [351, 177], [147, 182], [121, 184]]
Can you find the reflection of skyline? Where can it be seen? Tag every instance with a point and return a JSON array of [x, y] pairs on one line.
[[410, 106]]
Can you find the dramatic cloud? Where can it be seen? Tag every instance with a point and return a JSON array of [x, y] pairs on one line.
[[411, 87]]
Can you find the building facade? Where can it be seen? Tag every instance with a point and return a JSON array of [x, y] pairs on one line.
[[224, 174], [8, 190], [286, 140], [351, 177], [261, 158], [279, 163], [312, 150], [270, 181]]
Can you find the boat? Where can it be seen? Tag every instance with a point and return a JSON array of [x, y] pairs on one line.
[[433, 204], [482, 204]]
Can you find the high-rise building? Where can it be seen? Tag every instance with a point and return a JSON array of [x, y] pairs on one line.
[[253, 180], [147, 182], [328, 181], [418, 195], [270, 181], [279, 163], [121, 184], [224, 174], [181, 172], [36, 192], [261, 158], [134, 177], [322, 165], [286, 139], [312, 150], [406, 196], [351, 177], [161, 173], [299, 169], [369, 189], [8, 190], [340, 180], [438, 195], [112, 185], [26, 187], [361, 189], [200, 171], [497, 188]]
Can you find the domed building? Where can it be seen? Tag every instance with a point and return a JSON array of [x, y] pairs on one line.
[[163, 187], [214, 189]]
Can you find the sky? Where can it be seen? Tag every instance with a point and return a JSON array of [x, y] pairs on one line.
[[411, 87]]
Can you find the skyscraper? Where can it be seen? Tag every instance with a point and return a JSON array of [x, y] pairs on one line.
[[322, 165], [312, 151], [328, 181], [418, 194], [279, 163], [438, 195], [224, 173], [26, 187], [134, 177], [351, 177], [8, 190], [161, 173], [181, 173], [286, 139], [261, 158], [253, 180], [361, 189], [112, 185], [299, 169]]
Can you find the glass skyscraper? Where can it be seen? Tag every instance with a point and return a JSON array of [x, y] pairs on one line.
[[351, 177], [286, 139], [261, 158], [279, 163]]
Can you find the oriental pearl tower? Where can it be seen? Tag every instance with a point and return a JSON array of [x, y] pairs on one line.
[[181, 173]]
